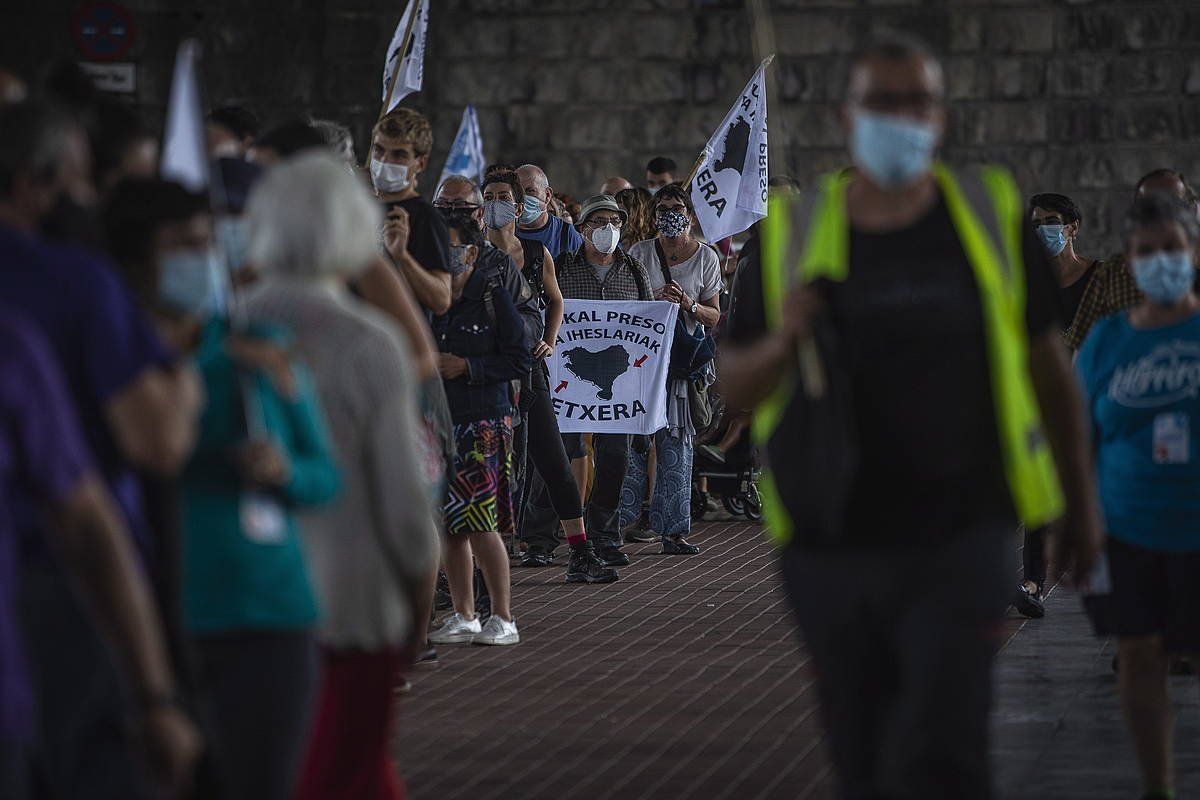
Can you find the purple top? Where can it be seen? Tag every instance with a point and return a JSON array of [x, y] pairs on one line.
[[100, 339], [42, 459]]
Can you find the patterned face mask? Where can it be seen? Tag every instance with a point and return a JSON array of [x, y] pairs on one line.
[[672, 224]]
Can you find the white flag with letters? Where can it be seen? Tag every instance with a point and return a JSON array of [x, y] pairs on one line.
[[411, 63], [466, 154], [729, 190], [608, 373], [184, 148]]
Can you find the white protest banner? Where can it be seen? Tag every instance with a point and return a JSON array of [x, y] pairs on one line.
[[404, 69], [466, 154], [729, 185], [608, 373]]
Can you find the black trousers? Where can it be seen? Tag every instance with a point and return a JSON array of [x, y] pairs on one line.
[[905, 664], [550, 479], [259, 690], [1033, 554]]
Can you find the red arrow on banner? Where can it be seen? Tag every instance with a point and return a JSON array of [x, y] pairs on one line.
[[641, 361], [561, 386]]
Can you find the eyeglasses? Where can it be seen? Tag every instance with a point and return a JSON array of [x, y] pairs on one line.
[[920, 103], [664, 210], [600, 222], [457, 205]]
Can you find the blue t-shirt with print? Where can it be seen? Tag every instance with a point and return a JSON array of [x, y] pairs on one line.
[[1143, 393]]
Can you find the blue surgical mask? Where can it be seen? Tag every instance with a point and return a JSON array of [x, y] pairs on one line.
[[531, 210], [892, 150], [1165, 276], [1054, 238], [190, 282]]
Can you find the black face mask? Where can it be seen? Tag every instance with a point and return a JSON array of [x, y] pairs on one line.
[[70, 223]]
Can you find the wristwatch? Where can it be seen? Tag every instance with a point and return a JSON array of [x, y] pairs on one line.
[[695, 306]]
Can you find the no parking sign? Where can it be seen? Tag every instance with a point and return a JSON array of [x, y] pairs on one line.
[[103, 30]]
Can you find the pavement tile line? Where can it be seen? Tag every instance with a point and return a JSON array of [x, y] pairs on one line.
[[524, 722], [613, 688]]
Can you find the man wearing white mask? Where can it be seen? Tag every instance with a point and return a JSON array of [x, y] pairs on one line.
[[932, 304], [536, 222], [599, 271], [415, 234]]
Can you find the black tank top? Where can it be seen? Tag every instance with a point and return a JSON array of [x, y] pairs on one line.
[[535, 255]]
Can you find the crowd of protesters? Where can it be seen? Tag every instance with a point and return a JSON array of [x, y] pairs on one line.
[[255, 439]]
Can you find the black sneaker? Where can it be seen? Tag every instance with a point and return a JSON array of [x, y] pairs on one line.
[[676, 546], [1029, 604], [427, 657], [537, 558], [611, 556], [585, 566]]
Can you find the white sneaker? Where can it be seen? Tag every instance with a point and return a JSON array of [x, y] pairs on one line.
[[456, 629], [498, 631]]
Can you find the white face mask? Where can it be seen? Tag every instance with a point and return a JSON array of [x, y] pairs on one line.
[[606, 239], [389, 178]]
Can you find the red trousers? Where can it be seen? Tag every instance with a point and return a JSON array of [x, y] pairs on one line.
[[348, 752]]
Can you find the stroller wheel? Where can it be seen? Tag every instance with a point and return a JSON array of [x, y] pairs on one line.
[[753, 504], [734, 505]]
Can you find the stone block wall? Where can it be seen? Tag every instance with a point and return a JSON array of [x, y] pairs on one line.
[[1077, 96]]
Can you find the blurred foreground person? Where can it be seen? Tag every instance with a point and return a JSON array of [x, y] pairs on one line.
[[895, 490], [47, 462], [1140, 372], [137, 404], [262, 454], [312, 226]]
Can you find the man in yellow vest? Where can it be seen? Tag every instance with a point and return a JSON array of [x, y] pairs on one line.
[[961, 402]]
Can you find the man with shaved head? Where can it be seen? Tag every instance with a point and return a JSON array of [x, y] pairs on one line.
[[615, 184], [536, 222], [960, 413]]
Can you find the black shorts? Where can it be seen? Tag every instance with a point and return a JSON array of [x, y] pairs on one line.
[[1153, 592]]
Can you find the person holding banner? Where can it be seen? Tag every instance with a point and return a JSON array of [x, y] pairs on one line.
[[483, 350], [899, 343], [599, 271], [687, 273]]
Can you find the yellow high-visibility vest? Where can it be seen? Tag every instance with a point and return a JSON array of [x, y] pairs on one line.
[[808, 237]]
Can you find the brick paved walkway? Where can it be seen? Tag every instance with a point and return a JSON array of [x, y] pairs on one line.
[[685, 680]]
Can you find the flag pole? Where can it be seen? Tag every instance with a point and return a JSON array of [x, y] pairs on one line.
[[812, 371], [415, 5]]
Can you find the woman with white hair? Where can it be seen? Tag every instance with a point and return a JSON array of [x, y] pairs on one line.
[[312, 227]]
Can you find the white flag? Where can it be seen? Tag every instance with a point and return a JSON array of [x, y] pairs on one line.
[[466, 154], [608, 372], [412, 62], [730, 187], [185, 151]]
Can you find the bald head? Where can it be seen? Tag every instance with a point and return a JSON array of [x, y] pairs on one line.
[[614, 185], [458, 188], [531, 175], [906, 61]]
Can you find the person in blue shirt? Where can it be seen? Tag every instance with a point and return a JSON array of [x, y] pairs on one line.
[[536, 222], [1140, 371]]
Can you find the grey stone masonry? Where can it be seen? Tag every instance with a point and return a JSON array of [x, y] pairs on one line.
[[1077, 96]]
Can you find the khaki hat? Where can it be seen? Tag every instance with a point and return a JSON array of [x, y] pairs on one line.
[[601, 202]]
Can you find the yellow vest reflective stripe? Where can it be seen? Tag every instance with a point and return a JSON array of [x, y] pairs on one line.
[[808, 237]]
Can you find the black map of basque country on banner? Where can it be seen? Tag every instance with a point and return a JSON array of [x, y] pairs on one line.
[[609, 369]]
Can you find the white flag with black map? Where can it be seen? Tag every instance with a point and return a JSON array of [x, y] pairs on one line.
[[730, 187]]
